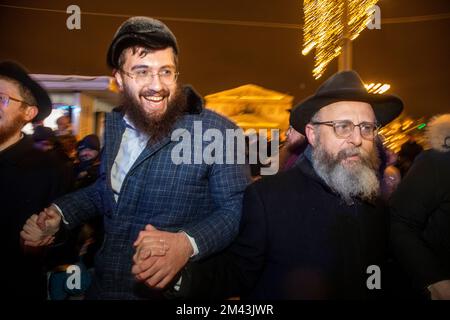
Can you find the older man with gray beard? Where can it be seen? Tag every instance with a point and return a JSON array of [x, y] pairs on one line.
[[316, 231]]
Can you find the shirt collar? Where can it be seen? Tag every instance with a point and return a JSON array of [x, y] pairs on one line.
[[129, 123]]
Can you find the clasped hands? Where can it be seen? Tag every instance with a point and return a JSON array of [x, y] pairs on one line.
[[159, 256]]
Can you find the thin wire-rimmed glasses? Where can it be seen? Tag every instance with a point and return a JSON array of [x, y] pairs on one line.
[[166, 75], [344, 128], [4, 100]]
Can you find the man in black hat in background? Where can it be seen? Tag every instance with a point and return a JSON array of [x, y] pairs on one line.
[[29, 179], [316, 231]]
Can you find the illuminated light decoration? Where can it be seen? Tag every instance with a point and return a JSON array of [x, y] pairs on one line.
[[396, 133], [327, 23], [421, 126], [377, 88]]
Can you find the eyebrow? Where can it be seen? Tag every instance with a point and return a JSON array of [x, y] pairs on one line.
[[139, 66], [143, 66]]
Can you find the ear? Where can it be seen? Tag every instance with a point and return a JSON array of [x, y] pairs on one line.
[[30, 113], [119, 79], [310, 131]]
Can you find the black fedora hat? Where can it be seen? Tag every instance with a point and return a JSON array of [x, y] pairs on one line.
[[140, 30], [345, 86], [14, 71]]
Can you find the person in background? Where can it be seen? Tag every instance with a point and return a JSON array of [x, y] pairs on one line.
[[420, 214], [408, 152], [88, 164], [83, 242], [389, 174], [64, 126], [292, 148], [46, 141], [30, 180]]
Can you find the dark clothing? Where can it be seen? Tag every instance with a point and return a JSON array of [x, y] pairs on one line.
[[29, 181], [420, 210], [408, 152], [66, 165], [86, 173], [297, 240]]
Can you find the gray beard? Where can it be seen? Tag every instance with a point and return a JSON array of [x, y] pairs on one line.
[[358, 180]]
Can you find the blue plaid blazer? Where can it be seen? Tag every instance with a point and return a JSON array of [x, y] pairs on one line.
[[204, 200]]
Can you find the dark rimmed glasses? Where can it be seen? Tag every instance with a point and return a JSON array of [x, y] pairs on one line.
[[344, 128]]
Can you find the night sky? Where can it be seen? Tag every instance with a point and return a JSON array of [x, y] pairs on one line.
[[412, 57]]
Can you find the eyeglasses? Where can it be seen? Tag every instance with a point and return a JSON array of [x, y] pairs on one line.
[[166, 75], [4, 100], [344, 128]]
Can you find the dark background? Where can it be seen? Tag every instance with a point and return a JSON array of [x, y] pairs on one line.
[[217, 55]]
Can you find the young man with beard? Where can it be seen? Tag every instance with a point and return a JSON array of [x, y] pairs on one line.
[[317, 230], [29, 179], [196, 208]]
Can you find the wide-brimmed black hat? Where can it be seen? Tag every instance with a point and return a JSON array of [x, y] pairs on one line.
[[345, 86], [14, 71], [140, 30]]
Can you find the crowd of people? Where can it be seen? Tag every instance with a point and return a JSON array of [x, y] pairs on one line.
[[343, 219]]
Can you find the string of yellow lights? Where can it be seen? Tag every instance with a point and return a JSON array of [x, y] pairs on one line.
[[328, 23]]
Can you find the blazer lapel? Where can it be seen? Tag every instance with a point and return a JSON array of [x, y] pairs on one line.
[[153, 148], [114, 132]]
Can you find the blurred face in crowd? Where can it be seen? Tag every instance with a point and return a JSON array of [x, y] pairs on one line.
[[43, 145], [87, 154], [346, 159], [63, 123], [150, 93], [13, 114], [294, 138]]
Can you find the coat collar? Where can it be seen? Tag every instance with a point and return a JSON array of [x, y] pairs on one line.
[[304, 164]]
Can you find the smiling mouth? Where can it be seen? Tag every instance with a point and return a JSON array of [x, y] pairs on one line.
[[154, 99]]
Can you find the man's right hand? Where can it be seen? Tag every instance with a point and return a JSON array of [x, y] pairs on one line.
[[39, 230]]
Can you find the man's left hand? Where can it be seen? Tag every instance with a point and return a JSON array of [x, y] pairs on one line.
[[158, 271]]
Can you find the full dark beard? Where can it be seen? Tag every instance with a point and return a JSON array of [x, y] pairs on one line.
[[12, 128], [358, 180], [158, 126]]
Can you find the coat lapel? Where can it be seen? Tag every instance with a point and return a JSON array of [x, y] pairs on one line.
[[114, 138], [154, 147]]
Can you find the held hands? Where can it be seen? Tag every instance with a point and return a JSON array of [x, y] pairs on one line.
[[160, 255], [39, 230]]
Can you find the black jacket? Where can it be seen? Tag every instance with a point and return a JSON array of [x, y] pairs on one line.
[[421, 219], [297, 240], [29, 181]]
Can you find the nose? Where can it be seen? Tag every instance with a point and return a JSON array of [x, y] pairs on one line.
[[155, 82], [355, 138]]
